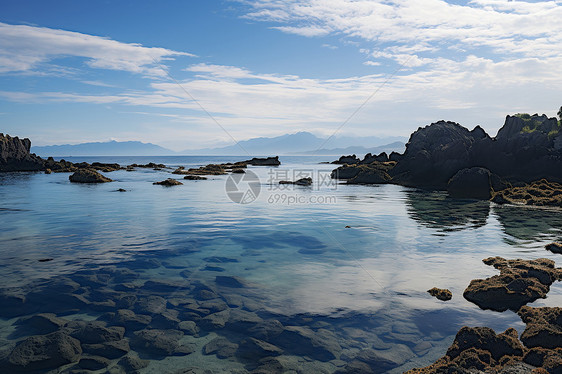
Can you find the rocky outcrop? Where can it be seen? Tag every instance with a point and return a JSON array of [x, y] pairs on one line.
[[539, 193], [269, 161], [88, 176], [375, 172], [434, 154], [347, 160], [15, 156], [519, 282], [440, 293]]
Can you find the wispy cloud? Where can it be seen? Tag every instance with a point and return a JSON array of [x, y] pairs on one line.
[[507, 28], [23, 48]]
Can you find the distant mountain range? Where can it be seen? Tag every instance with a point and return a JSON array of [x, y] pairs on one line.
[[305, 143], [112, 148], [301, 143]]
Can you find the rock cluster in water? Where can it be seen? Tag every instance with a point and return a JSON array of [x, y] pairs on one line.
[[480, 349], [447, 156]]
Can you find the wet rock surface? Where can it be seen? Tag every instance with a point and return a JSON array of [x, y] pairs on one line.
[[441, 294], [169, 182], [539, 193], [519, 282], [88, 176]]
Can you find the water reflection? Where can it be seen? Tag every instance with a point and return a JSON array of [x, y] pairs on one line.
[[529, 224], [436, 210]]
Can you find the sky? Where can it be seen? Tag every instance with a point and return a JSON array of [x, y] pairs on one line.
[[199, 73]]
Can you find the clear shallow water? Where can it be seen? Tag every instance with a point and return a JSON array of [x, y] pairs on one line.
[[366, 283]]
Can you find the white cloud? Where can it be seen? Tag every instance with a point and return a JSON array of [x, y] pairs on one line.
[[512, 28], [23, 48]]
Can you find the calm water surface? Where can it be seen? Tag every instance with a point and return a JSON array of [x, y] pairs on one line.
[[358, 259]]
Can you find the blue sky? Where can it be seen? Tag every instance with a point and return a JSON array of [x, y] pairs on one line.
[[76, 71]]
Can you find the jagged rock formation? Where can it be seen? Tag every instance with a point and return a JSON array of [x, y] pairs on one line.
[[527, 148], [539, 193], [15, 156]]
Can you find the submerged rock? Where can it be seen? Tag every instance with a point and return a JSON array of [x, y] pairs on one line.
[[441, 294], [158, 342], [43, 352], [519, 282], [321, 345], [88, 176], [220, 346]]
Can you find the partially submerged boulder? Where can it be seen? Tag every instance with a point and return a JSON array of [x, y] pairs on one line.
[[519, 282], [554, 247], [169, 182], [347, 160], [475, 183], [300, 182], [88, 176], [544, 327], [442, 294]]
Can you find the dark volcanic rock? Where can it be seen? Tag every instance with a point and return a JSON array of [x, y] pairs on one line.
[[518, 283], [526, 148], [301, 182], [441, 294], [15, 156], [554, 247], [475, 183], [269, 161], [88, 176], [44, 352], [373, 173], [195, 178], [544, 327], [433, 155], [43, 323], [347, 160], [169, 182]]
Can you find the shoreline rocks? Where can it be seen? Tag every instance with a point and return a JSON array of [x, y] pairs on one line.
[[538, 193], [518, 283], [300, 182], [15, 155]]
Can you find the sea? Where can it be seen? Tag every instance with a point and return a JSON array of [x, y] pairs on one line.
[[347, 266]]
